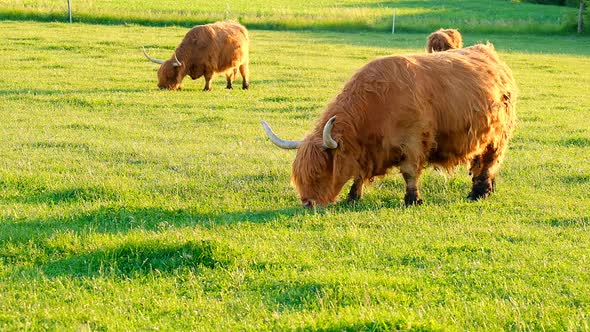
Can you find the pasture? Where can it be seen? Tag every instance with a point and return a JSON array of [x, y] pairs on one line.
[[123, 207], [341, 15]]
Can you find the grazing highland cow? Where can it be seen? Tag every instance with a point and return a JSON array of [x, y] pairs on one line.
[[220, 47], [441, 109], [444, 39]]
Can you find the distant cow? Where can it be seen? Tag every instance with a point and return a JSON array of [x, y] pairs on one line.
[[220, 47], [441, 109], [444, 39]]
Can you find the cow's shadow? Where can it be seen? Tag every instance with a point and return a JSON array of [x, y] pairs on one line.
[[141, 250], [116, 219], [138, 254], [137, 258], [150, 254]]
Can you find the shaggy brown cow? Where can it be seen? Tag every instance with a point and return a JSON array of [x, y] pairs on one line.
[[442, 109], [220, 47], [444, 39]]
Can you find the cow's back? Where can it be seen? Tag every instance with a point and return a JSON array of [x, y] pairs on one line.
[[461, 86], [219, 46], [451, 103]]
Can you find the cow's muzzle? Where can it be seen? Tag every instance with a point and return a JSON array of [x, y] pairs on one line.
[[308, 203]]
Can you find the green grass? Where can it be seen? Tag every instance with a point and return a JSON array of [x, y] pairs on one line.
[[123, 207], [343, 15]]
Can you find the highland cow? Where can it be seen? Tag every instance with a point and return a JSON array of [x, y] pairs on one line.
[[444, 39], [220, 47], [440, 109]]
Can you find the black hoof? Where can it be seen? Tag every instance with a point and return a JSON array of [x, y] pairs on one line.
[[229, 86], [481, 190], [475, 196], [352, 199], [245, 86], [410, 200]]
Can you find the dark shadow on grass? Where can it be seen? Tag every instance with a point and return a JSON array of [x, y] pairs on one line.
[[134, 259], [373, 326], [120, 220], [582, 222], [312, 296], [114, 219], [71, 195], [576, 179], [80, 147], [296, 295], [143, 257], [577, 142], [31, 192], [21, 92]]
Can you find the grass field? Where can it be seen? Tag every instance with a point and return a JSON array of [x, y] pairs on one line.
[[123, 207], [339, 15]]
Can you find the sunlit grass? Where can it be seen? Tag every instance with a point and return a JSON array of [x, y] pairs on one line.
[[123, 207]]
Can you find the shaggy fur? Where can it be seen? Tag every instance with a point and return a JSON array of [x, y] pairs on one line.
[[441, 109], [444, 39], [220, 47]]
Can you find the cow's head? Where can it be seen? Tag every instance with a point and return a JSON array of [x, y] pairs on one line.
[[169, 74], [320, 169], [444, 39]]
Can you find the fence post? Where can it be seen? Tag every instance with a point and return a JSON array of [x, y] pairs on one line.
[[581, 17], [70, 10], [393, 23]]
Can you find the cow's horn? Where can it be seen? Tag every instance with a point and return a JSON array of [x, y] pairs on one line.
[[281, 143], [329, 142], [177, 63], [160, 62]]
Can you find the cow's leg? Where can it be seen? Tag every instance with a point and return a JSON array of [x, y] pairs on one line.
[[208, 76], [483, 171], [231, 76], [356, 191], [411, 169], [229, 81], [245, 72]]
